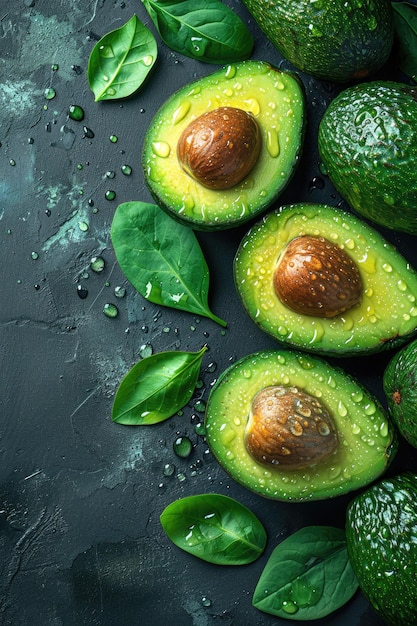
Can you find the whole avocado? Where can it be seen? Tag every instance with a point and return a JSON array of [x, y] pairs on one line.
[[335, 41], [400, 387], [367, 142], [381, 535]]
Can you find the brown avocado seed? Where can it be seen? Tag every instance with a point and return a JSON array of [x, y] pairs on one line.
[[314, 276], [219, 148], [289, 428]]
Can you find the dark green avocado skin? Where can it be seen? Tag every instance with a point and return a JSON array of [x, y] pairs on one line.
[[400, 388], [367, 142], [329, 39], [381, 534]]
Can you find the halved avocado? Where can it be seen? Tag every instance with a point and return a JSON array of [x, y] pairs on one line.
[[385, 316], [275, 100], [368, 144], [365, 439]]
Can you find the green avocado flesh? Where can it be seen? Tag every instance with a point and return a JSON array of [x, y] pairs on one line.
[[368, 144], [332, 40], [366, 441], [275, 98], [400, 387], [381, 535], [387, 313]]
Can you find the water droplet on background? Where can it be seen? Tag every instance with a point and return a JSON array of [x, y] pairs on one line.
[[75, 112], [182, 447], [110, 310]]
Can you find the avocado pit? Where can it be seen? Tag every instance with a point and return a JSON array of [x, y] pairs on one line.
[[316, 277], [289, 428], [220, 147]]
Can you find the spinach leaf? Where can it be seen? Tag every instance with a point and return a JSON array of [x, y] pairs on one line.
[[214, 528], [307, 576], [157, 387], [161, 258], [206, 30], [121, 60], [405, 23]]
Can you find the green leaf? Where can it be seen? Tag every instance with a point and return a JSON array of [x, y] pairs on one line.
[[405, 23], [206, 30], [214, 528], [307, 576], [161, 258], [157, 387], [121, 60]]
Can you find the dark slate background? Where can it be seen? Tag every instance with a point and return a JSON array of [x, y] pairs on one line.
[[80, 497]]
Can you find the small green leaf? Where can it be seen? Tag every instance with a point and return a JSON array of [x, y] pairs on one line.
[[206, 30], [157, 387], [121, 60], [307, 576], [214, 528], [405, 23], [161, 258]]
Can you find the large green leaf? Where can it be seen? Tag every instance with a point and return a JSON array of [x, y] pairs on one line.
[[157, 387], [206, 30], [307, 576], [121, 60], [161, 258], [214, 528]]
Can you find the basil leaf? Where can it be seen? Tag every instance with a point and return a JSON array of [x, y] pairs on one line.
[[307, 576], [405, 24], [157, 387], [161, 258], [206, 30], [121, 60], [214, 528]]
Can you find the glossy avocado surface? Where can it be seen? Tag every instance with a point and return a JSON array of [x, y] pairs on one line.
[[368, 144], [385, 317], [336, 41], [366, 441], [276, 101], [400, 387], [381, 534]]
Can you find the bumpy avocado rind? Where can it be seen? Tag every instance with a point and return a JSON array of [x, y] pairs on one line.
[[381, 534], [366, 440], [277, 101], [385, 318], [368, 144], [400, 387], [335, 41]]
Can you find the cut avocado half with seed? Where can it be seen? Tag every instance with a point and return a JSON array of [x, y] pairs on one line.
[[316, 434], [274, 100], [384, 315]]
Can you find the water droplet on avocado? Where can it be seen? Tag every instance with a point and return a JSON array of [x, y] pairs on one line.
[[82, 292], [230, 71], [161, 149], [110, 194], [67, 136], [180, 112], [272, 143], [126, 170], [113, 138]]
